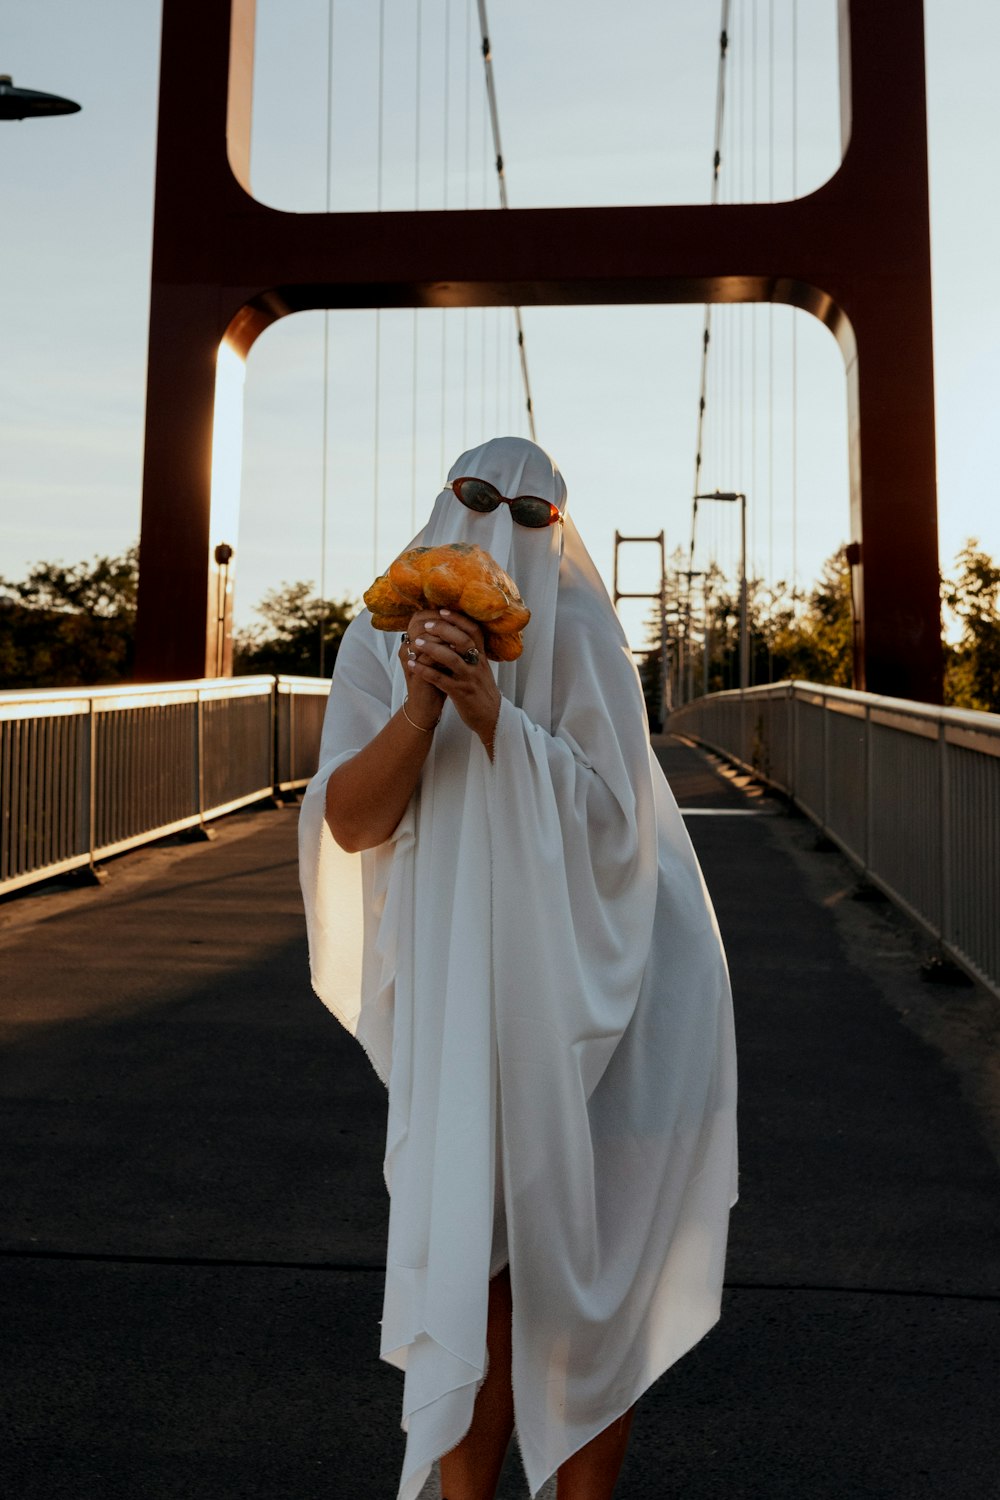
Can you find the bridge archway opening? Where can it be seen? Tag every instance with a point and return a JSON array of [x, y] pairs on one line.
[[615, 401], [572, 136]]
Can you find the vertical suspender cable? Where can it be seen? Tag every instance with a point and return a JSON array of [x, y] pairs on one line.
[[482, 370], [795, 321], [326, 357], [771, 578], [496, 427], [446, 122], [468, 142], [446, 111], [739, 122], [511, 392], [753, 327], [378, 310], [502, 181], [416, 205], [484, 181]]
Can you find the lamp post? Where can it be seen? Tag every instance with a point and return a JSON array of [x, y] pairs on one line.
[[706, 592], [223, 557], [731, 496], [690, 573]]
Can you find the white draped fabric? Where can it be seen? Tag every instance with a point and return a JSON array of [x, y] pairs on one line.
[[533, 966]]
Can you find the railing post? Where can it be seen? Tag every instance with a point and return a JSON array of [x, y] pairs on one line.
[[275, 711], [199, 756], [90, 772], [292, 747], [793, 762], [868, 794], [826, 764], [944, 798]]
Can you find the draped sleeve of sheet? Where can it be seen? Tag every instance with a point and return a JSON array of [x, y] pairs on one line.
[[345, 895]]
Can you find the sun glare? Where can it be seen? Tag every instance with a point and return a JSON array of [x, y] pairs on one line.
[[227, 445]]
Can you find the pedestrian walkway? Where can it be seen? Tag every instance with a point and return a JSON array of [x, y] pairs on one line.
[[193, 1214]]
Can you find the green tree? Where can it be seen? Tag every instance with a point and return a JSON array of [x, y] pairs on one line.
[[650, 668], [287, 637], [69, 626], [789, 636], [649, 658], [816, 642], [768, 610], [972, 664]]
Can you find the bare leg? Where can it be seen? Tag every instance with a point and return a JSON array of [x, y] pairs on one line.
[[472, 1470], [592, 1472]]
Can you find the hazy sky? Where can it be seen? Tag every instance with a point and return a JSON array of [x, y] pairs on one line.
[[598, 104]]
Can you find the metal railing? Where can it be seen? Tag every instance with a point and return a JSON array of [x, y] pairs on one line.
[[910, 792], [86, 773]]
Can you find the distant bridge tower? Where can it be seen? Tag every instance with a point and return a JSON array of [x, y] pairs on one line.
[[855, 253]]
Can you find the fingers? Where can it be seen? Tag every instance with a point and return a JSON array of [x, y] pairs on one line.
[[419, 619], [418, 622], [440, 655], [461, 636], [455, 624], [443, 663], [455, 630]]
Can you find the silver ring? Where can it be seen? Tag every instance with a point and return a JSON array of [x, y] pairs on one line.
[[471, 657], [411, 656]]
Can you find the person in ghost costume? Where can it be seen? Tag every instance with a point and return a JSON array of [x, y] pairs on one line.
[[504, 907]]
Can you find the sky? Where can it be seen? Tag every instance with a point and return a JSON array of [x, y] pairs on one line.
[[598, 104]]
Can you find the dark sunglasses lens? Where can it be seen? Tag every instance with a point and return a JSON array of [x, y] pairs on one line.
[[477, 494], [529, 511]]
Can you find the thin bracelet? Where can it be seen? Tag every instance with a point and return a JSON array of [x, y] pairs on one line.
[[421, 727]]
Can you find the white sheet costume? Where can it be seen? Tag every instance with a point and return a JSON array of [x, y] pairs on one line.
[[533, 966]]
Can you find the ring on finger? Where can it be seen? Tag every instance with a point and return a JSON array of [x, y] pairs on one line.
[[471, 657]]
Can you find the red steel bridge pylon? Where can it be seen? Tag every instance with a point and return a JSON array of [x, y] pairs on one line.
[[855, 253]]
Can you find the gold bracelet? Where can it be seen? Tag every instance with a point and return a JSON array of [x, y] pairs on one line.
[[421, 727]]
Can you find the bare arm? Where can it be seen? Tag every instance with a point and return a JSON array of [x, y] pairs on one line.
[[367, 796]]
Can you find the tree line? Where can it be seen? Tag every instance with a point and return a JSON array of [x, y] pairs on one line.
[[74, 626], [809, 636]]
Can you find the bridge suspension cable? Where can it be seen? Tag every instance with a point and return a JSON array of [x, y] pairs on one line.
[[415, 335], [324, 478], [795, 321], [771, 579], [706, 337], [380, 138], [502, 184]]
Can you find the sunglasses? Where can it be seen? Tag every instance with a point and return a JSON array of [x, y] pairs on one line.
[[526, 510]]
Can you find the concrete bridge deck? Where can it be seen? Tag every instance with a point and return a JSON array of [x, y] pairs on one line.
[[193, 1212]]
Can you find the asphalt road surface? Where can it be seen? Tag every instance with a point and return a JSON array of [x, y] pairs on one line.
[[193, 1213]]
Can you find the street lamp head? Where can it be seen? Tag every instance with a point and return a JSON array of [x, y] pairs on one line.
[[24, 104]]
